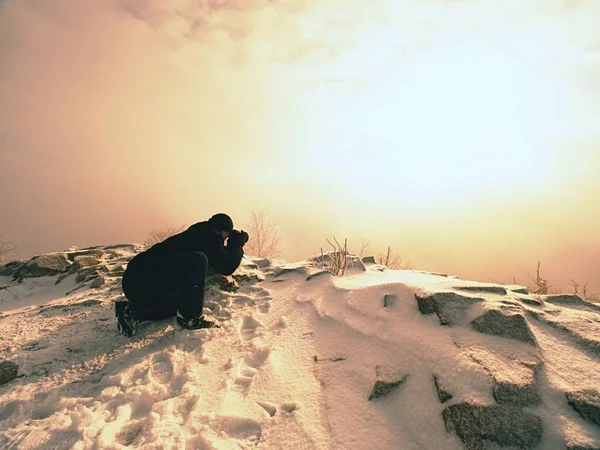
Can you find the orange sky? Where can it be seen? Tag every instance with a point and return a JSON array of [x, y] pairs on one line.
[[464, 134]]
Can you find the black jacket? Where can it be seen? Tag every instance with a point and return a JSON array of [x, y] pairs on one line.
[[200, 237]]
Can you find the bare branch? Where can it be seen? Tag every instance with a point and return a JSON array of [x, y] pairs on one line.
[[394, 260], [157, 235], [7, 245], [263, 236]]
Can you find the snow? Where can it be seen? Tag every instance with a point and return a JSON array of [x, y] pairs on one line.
[[292, 366]]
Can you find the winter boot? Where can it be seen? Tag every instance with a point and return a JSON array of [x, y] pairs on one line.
[[127, 318], [194, 323]]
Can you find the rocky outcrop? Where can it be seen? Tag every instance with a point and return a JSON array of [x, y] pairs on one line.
[[583, 327], [262, 262], [43, 265], [586, 402], [478, 425], [570, 300], [504, 323], [450, 307], [83, 261], [301, 270], [8, 371], [517, 392], [95, 252], [222, 282], [8, 269], [247, 277], [369, 260]]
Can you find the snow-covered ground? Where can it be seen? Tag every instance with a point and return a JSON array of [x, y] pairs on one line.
[[296, 364]]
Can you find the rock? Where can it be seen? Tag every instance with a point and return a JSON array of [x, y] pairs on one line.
[[61, 277], [8, 269], [450, 307], [577, 446], [443, 395], [83, 261], [478, 425], [531, 301], [585, 332], [85, 273], [222, 282], [8, 371], [509, 325], [522, 392], [303, 270], [97, 282], [437, 274], [356, 264], [384, 388], [327, 259], [487, 289], [247, 278], [569, 300], [586, 402], [250, 266], [389, 300], [319, 274], [95, 252], [118, 270], [264, 262], [43, 265], [523, 291], [369, 260]]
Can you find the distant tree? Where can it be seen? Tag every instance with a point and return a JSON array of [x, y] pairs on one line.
[[7, 245], [364, 245], [393, 260], [263, 236], [157, 235]]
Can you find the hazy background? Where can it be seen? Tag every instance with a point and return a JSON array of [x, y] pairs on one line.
[[466, 134]]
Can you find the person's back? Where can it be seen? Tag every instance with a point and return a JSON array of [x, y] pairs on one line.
[[168, 278]]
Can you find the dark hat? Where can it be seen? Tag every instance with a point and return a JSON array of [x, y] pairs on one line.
[[221, 222]]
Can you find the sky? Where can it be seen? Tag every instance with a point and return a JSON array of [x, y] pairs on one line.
[[465, 134]]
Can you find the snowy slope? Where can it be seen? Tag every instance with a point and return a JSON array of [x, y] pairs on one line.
[[295, 363]]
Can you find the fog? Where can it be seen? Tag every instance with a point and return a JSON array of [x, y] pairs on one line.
[[464, 134]]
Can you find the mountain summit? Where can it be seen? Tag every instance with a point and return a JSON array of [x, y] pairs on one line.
[[377, 359]]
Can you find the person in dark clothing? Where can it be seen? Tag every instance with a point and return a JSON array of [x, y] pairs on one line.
[[168, 278]]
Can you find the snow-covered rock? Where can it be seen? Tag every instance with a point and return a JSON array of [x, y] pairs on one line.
[[43, 265], [586, 402], [8, 371], [480, 426]]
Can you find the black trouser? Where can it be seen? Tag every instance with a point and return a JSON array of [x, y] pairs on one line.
[[160, 289]]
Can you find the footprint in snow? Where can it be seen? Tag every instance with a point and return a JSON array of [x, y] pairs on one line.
[[241, 428], [257, 357], [129, 433], [253, 361], [162, 368], [249, 328]]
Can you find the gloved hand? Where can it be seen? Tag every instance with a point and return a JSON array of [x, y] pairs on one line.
[[238, 238]]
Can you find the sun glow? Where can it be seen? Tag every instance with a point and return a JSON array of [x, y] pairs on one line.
[[452, 123]]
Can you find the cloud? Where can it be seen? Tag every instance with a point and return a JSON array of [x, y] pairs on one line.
[[337, 115]]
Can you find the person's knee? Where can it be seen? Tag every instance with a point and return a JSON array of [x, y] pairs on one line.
[[198, 260]]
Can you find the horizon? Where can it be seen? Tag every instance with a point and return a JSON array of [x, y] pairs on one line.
[[464, 135]]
